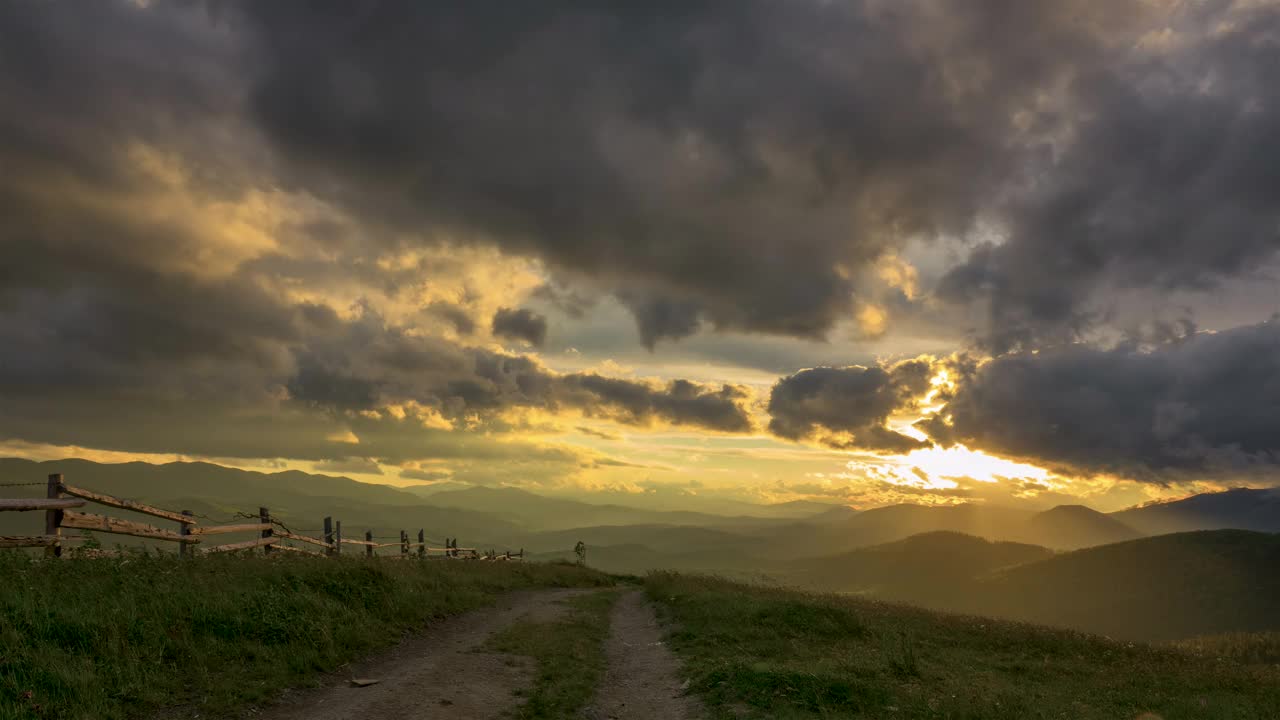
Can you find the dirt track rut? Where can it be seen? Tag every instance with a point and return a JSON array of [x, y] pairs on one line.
[[437, 674], [642, 681]]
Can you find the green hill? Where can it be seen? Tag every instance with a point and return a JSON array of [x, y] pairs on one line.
[[1159, 588], [1068, 527], [926, 569]]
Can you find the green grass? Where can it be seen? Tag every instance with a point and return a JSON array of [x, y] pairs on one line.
[[124, 637], [1260, 648], [760, 652], [569, 652]]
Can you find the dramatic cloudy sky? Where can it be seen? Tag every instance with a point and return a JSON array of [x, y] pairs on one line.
[[867, 251]]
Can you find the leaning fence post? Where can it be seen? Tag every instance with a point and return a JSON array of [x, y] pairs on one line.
[[404, 543], [264, 515], [328, 535], [184, 529], [53, 518], [422, 543], [337, 537], [368, 543]]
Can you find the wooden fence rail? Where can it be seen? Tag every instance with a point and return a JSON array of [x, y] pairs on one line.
[[190, 535], [39, 504]]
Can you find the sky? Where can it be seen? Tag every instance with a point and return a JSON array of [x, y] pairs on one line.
[[669, 253]]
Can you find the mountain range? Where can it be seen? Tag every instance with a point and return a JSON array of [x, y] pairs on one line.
[[1068, 565]]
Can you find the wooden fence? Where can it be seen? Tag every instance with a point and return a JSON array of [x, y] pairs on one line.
[[61, 500]]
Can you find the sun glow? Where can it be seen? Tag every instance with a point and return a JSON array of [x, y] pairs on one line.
[[941, 468]]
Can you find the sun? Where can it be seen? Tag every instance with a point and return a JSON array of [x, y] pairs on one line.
[[939, 468]]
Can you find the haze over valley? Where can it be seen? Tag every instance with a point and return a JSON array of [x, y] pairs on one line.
[[1166, 571]]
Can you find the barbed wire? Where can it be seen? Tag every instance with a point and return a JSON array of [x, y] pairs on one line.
[[277, 521], [24, 484], [223, 521]]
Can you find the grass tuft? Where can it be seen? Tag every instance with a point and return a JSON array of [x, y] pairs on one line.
[[569, 652]]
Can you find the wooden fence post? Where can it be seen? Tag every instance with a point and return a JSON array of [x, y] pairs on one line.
[[328, 535], [404, 543], [186, 550], [337, 537], [368, 543], [264, 515], [422, 543], [53, 518]]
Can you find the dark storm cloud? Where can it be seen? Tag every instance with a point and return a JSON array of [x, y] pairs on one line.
[[369, 364], [731, 165], [119, 327], [848, 407], [567, 300], [1170, 182], [696, 159], [1207, 402], [520, 324], [679, 402], [725, 163]]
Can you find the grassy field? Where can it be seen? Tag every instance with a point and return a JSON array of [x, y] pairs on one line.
[[766, 653], [569, 652], [124, 637]]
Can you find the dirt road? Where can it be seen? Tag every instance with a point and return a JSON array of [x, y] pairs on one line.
[[438, 674], [442, 674]]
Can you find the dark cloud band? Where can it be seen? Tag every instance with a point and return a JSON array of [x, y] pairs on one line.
[[1207, 404]]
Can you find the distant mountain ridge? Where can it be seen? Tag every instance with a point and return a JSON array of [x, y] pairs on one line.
[[1239, 508], [299, 499], [303, 500], [536, 512], [1076, 526], [634, 539]]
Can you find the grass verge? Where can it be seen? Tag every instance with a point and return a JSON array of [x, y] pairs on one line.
[[767, 653], [112, 638], [569, 652]]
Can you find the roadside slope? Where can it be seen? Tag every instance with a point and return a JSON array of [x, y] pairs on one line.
[[756, 652]]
